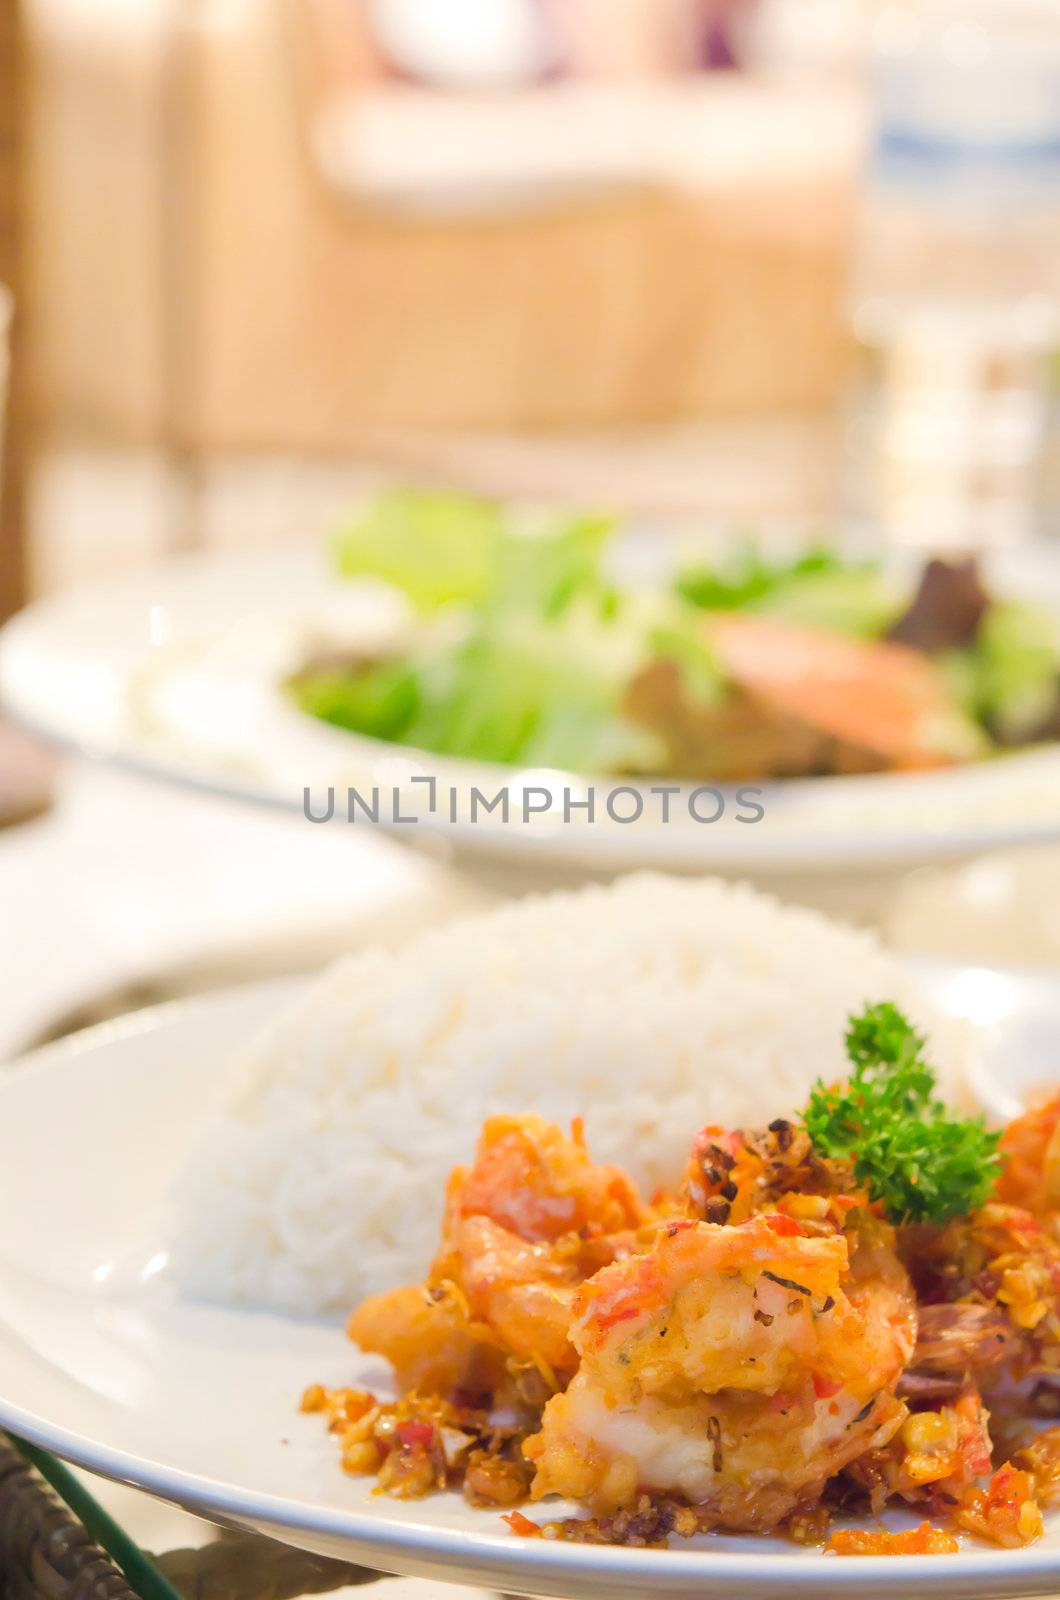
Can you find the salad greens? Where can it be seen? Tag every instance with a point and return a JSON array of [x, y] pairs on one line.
[[537, 673], [920, 1163], [379, 698], [747, 576], [435, 547], [1007, 680], [525, 648], [818, 588], [438, 547]]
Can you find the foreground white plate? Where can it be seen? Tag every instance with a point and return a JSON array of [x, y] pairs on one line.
[[103, 1362], [176, 672]]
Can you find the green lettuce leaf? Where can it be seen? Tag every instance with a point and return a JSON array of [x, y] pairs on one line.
[[437, 547], [1009, 680], [536, 692], [818, 588]]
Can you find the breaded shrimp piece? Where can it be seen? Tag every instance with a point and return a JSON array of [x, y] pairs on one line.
[[1030, 1145], [736, 1366], [524, 1225], [540, 1184]]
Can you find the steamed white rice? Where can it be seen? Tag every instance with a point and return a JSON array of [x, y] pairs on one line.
[[648, 1007]]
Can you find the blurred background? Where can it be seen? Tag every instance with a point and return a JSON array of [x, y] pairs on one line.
[[270, 245], [659, 251], [733, 263]]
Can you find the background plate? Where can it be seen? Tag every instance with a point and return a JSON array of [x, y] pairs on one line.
[[154, 673]]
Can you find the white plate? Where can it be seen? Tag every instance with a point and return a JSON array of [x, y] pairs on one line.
[[103, 1362], [154, 672]]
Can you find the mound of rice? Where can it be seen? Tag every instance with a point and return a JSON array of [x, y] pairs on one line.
[[648, 1007]]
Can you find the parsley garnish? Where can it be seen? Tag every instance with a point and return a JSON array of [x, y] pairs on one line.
[[920, 1163]]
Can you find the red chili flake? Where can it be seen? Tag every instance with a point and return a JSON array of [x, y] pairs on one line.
[[825, 1388], [786, 1226], [1007, 1486], [608, 1319], [680, 1227], [413, 1433], [522, 1525]]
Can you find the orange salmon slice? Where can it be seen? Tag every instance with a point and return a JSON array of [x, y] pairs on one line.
[[881, 697]]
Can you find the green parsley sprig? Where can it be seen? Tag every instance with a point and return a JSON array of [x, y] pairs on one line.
[[919, 1162]]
